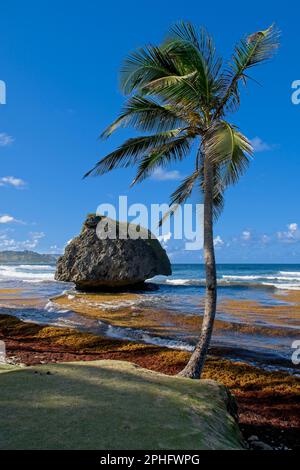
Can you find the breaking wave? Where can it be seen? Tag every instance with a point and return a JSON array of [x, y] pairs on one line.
[[23, 272], [131, 334], [286, 280]]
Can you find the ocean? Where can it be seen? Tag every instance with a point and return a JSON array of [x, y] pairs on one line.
[[279, 276], [258, 314]]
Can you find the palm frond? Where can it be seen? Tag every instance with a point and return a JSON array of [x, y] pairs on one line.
[[218, 186], [256, 48], [185, 31], [230, 152], [178, 93], [145, 65], [146, 114], [197, 47], [131, 151], [180, 90], [175, 71], [173, 150], [239, 161], [181, 194], [197, 51], [222, 141]]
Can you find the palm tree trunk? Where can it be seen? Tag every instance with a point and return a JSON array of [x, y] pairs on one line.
[[195, 365]]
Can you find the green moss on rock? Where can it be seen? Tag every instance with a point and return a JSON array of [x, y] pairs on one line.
[[112, 405]]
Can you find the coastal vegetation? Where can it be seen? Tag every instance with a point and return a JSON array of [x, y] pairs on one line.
[[116, 309], [120, 406], [180, 93], [268, 401]]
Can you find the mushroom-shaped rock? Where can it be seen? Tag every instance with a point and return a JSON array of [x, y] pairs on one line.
[[111, 254]]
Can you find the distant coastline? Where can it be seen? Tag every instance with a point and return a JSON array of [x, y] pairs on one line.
[[33, 257], [27, 257]]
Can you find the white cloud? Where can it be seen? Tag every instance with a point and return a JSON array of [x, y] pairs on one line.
[[291, 235], [30, 243], [218, 241], [5, 139], [265, 238], [6, 219], [293, 227], [246, 235], [259, 145], [162, 175], [249, 239], [12, 181], [36, 235]]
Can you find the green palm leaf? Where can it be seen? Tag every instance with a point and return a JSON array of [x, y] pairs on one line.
[[181, 194], [179, 94], [132, 151], [146, 114], [197, 52], [229, 150], [257, 48], [145, 65], [176, 89], [173, 150]]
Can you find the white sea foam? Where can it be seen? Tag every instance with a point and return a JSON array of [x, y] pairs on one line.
[[239, 277], [38, 267], [184, 282], [285, 280], [291, 273], [282, 286], [52, 307], [110, 304], [274, 277], [167, 343], [130, 334], [293, 278], [22, 272]]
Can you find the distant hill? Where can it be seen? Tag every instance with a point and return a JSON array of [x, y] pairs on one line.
[[26, 257]]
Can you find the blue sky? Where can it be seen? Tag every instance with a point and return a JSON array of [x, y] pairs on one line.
[[60, 62]]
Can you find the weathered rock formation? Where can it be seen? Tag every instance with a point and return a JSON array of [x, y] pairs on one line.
[[94, 260]]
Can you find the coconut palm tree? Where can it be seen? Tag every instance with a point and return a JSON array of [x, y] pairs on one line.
[[178, 94]]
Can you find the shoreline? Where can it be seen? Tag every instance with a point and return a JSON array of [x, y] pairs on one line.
[[269, 402], [257, 333]]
